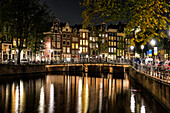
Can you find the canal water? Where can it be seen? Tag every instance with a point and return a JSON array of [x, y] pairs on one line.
[[80, 93]]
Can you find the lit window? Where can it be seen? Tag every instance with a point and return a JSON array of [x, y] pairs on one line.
[[86, 42], [106, 35], [109, 49], [14, 42], [99, 35], [96, 45], [93, 39], [87, 35], [72, 45], [84, 49], [102, 40], [68, 50], [80, 49], [53, 44], [83, 35], [64, 49], [111, 43], [90, 45], [115, 50], [114, 43], [103, 35], [96, 38], [80, 42], [77, 46], [90, 38], [58, 44], [112, 38]]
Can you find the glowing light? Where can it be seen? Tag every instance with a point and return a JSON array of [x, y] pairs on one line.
[[51, 103], [142, 109], [21, 96], [41, 102], [142, 47], [132, 103], [153, 42], [132, 47]]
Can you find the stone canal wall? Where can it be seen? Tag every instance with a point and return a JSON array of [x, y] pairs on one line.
[[21, 69], [160, 89]]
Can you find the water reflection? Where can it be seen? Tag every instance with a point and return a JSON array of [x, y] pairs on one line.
[[80, 94], [42, 101]]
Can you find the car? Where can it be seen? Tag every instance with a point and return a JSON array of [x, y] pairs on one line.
[[166, 65], [11, 61], [24, 61]]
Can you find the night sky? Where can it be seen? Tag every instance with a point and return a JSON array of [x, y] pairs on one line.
[[66, 10]]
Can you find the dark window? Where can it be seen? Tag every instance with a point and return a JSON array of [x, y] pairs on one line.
[[64, 35], [66, 29], [68, 36], [64, 42]]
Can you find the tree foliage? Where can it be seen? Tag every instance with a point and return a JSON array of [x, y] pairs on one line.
[[151, 17], [26, 20]]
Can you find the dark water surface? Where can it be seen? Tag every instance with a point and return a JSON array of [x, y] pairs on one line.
[[64, 93]]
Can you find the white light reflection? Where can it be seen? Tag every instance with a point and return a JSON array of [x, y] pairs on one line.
[[51, 103], [16, 99], [42, 101], [79, 106], [100, 98], [142, 109], [21, 96], [132, 103]]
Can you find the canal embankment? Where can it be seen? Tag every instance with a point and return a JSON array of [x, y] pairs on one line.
[[160, 89], [21, 69]]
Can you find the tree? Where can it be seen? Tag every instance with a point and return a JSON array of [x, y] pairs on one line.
[[27, 19], [149, 16]]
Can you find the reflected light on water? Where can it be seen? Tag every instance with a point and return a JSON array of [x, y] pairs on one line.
[[142, 109], [79, 106], [51, 103], [7, 96], [21, 96], [100, 98], [16, 99], [86, 104], [132, 103], [42, 101]]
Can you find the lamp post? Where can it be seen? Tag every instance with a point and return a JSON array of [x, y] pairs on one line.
[[153, 42], [132, 47], [79, 55]]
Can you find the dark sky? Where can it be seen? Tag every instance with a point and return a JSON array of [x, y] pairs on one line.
[[66, 10]]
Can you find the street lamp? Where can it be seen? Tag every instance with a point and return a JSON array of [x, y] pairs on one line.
[[142, 47], [132, 47]]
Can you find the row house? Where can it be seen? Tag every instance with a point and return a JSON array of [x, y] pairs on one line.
[[72, 43]]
